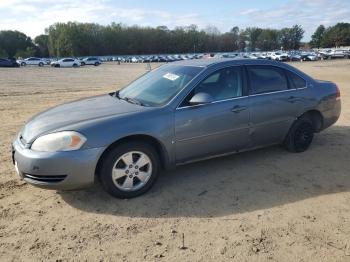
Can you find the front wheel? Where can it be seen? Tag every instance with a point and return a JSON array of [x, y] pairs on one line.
[[300, 136], [129, 170], [41, 64], [23, 64]]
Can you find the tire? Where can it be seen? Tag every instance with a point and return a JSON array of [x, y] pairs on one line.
[[96, 64], [300, 136], [75, 65], [82, 63], [41, 64], [128, 174], [58, 65], [23, 64]]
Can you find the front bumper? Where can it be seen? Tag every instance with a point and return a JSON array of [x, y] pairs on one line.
[[58, 170]]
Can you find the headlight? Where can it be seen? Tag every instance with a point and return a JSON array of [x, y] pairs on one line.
[[60, 141]]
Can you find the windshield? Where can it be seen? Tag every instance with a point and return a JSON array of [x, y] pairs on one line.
[[160, 85]]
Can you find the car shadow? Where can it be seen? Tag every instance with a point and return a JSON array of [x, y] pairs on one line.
[[238, 183]]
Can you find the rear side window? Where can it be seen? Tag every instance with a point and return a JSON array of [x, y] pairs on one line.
[[264, 79], [296, 81]]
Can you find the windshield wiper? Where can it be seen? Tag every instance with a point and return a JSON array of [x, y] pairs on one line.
[[129, 99], [132, 100]]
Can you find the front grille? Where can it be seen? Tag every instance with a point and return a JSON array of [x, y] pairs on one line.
[[46, 179]]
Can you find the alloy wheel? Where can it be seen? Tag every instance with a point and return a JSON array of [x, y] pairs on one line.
[[131, 171]]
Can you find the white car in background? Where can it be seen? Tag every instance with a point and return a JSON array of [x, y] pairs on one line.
[[32, 61], [279, 56], [91, 61], [66, 62]]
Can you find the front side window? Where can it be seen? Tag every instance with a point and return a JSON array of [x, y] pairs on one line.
[[160, 85], [265, 79], [223, 84]]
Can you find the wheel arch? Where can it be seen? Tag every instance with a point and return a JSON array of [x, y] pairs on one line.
[[160, 148], [316, 117]]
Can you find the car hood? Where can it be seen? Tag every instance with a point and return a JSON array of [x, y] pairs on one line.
[[75, 112]]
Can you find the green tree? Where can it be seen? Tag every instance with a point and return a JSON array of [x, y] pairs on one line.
[[28, 52], [11, 41], [335, 36], [42, 42], [268, 40], [316, 38], [3, 53]]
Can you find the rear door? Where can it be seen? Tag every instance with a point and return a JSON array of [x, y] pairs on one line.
[[274, 104], [218, 127]]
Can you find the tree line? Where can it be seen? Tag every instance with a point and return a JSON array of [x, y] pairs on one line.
[[85, 39], [338, 35]]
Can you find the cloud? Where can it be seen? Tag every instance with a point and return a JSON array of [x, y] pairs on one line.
[[33, 16], [307, 13]]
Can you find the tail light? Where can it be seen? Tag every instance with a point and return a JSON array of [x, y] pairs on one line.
[[337, 94]]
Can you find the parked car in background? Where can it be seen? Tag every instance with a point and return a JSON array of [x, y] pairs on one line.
[[308, 57], [325, 54], [90, 61], [8, 63], [182, 112], [279, 56], [338, 54], [32, 61], [295, 56], [66, 62]]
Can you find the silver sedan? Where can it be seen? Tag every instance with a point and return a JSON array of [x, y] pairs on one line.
[[178, 113]]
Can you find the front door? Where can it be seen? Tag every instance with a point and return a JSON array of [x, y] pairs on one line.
[[218, 127]]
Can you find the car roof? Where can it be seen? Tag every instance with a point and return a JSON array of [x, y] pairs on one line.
[[208, 62], [212, 62]]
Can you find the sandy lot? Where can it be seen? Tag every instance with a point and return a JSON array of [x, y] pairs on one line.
[[265, 205]]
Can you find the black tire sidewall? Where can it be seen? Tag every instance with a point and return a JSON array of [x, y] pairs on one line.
[[290, 141], [110, 159]]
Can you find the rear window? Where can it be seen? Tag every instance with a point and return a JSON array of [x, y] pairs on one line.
[[264, 79], [296, 81]]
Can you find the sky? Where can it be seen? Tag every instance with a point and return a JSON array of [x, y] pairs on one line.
[[33, 16]]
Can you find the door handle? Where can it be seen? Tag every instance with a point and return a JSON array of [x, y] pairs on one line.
[[237, 109]]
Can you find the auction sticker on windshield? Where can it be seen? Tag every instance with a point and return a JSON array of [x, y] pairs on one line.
[[171, 76]]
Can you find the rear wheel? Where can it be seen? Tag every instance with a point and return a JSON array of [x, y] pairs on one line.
[[23, 64], [129, 170], [75, 65], [41, 64], [82, 63], [97, 64], [300, 136]]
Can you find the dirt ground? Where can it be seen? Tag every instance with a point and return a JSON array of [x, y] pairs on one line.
[[265, 205]]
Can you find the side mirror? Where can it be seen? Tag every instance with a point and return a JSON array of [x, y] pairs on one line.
[[201, 99]]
